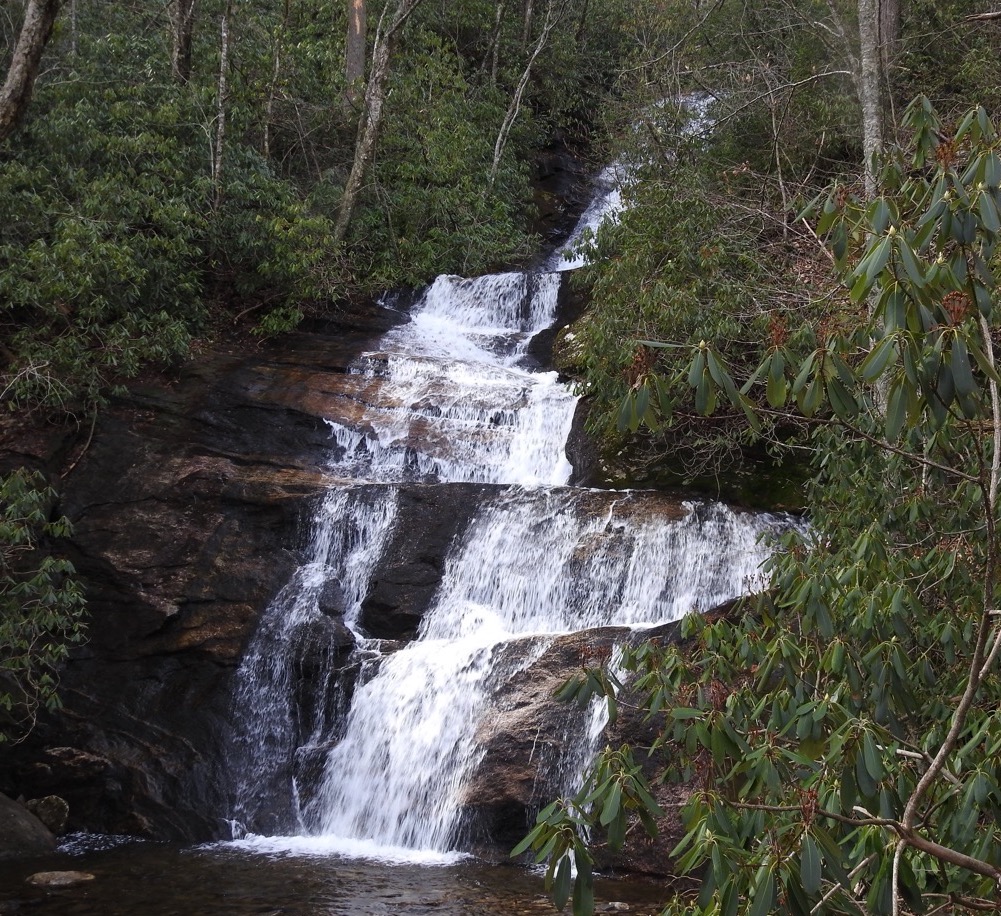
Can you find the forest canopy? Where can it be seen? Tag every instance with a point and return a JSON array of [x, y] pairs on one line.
[[177, 168]]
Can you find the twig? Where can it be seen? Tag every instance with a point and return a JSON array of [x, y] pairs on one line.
[[86, 445], [863, 864], [823, 247], [897, 854]]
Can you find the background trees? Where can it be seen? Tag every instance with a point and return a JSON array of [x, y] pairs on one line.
[[39, 19], [184, 165]]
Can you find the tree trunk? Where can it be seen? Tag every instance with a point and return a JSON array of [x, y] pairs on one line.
[[182, 20], [354, 54], [870, 88], [515, 106], [222, 94], [371, 116], [39, 18], [276, 62], [889, 31], [526, 23], [492, 53]]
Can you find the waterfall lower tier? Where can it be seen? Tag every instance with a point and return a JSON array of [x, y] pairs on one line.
[[530, 565]]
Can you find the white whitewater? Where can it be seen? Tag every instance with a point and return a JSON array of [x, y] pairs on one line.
[[534, 563], [461, 407], [605, 204], [448, 398]]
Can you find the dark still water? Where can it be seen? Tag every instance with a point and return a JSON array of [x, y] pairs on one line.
[[152, 879]]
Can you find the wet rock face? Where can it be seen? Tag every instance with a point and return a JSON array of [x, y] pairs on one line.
[[428, 520], [526, 736], [190, 510], [52, 811]]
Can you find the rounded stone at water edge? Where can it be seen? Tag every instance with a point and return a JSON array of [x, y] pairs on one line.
[[21, 833], [58, 879]]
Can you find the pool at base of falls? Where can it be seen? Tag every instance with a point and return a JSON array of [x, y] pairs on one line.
[[160, 879]]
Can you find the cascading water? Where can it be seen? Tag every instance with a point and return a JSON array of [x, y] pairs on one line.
[[275, 719], [446, 399]]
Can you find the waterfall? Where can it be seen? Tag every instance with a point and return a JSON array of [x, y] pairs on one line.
[[447, 399], [275, 721]]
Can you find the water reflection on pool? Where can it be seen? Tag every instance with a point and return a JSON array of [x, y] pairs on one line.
[[152, 879]]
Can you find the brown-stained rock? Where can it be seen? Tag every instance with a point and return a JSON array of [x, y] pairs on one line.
[[189, 507]]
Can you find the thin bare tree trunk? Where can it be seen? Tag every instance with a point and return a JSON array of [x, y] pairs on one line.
[[889, 46], [495, 59], [371, 116], [354, 54], [222, 94], [39, 18], [493, 48], [269, 107], [526, 24], [182, 22], [870, 88], [515, 106], [889, 31]]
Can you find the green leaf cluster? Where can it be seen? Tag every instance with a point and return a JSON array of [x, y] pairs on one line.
[[673, 267], [41, 604], [615, 793]]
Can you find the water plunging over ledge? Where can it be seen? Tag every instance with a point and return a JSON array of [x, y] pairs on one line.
[[379, 770]]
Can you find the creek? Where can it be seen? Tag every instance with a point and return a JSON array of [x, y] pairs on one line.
[[354, 759]]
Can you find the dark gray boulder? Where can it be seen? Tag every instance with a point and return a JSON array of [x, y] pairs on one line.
[[22, 835]]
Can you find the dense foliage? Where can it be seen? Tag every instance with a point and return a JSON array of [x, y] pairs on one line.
[[145, 210], [41, 606], [841, 737], [710, 246]]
